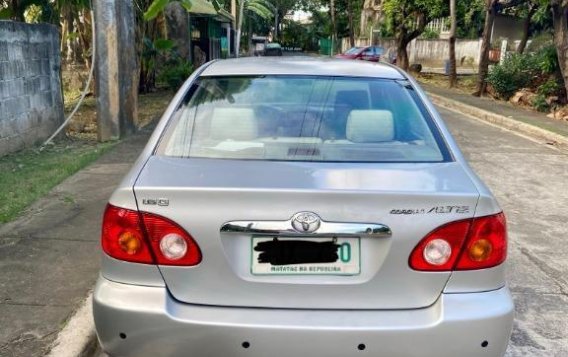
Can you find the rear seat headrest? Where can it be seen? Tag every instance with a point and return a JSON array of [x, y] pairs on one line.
[[233, 123], [370, 126]]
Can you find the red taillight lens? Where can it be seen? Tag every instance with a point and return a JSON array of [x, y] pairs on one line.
[[453, 234], [147, 238], [471, 244], [486, 245], [123, 237], [171, 244]]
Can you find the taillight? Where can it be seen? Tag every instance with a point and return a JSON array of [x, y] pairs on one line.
[[476, 243], [453, 234], [123, 237], [147, 238], [171, 244], [486, 245]]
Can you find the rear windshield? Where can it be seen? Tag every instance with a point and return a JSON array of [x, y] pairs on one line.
[[353, 50], [291, 118]]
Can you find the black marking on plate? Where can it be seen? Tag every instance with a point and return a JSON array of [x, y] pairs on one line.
[[287, 252]]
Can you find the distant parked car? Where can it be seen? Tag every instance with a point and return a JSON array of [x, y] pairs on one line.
[[273, 49], [258, 45], [370, 53]]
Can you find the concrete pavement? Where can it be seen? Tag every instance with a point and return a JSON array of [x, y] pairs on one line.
[[49, 257]]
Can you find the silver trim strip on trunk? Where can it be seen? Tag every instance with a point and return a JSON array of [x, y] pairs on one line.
[[326, 229]]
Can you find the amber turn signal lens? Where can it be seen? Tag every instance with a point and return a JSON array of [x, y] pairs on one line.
[[129, 243], [480, 250]]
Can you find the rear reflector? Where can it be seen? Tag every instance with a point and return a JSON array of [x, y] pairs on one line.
[[147, 238], [476, 243]]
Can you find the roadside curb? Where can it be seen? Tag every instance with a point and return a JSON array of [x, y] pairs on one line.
[[535, 132], [78, 338]]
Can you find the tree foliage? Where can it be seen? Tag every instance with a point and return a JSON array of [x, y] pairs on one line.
[[408, 19], [158, 6]]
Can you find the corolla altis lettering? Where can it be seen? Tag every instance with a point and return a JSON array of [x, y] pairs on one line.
[[437, 209]]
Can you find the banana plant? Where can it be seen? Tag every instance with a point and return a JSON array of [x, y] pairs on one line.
[[263, 8]]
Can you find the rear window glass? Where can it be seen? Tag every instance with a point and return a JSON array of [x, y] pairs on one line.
[[303, 119]]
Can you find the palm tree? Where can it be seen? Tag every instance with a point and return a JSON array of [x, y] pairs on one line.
[[262, 8]]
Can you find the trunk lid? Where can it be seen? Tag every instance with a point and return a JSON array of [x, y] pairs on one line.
[[205, 194]]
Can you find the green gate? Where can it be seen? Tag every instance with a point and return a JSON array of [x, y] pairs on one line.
[[325, 46]]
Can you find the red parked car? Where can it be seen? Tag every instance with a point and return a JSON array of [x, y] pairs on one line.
[[370, 53]]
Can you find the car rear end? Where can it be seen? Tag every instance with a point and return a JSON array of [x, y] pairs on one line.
[[273, 49], [295, 214]]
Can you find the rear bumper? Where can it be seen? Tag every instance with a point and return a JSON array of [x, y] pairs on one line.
[[146, 321]]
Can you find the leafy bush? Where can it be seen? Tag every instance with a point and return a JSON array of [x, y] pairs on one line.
[[519, 71], [548, 59], [550, 87], [514, 73], [539, 103], [174, 73]]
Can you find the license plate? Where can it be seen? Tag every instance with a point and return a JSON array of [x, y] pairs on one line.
[[301, 256]]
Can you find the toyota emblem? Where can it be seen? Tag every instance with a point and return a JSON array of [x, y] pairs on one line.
[[306, 222]]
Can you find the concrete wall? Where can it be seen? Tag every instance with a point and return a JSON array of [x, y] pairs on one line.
[[427, 52], [31, 102], [437, 51]]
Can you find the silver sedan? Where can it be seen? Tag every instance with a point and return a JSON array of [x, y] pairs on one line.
[[302, 207]]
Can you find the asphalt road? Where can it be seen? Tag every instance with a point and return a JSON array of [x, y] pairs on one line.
[[530, 180]]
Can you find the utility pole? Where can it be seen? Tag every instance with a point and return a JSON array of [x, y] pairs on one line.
[[117, 69], [453, 70]]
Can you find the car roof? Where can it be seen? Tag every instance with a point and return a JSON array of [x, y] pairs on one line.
[[301, 65]]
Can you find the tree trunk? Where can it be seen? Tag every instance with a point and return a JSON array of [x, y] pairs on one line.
[[69, 47], [239, 28], [177, 25], [402, 52], [234, 12], [526, 28], [351, 30], [453, 71], [17, 10], [560, 24], [84, 31], [149, 30], [249, 31], [483, 69], [333, 27]]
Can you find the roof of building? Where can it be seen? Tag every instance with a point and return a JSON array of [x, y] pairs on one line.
[[204, 7], [301, 65]]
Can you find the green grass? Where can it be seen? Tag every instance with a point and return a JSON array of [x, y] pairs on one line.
[[28, 175]]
